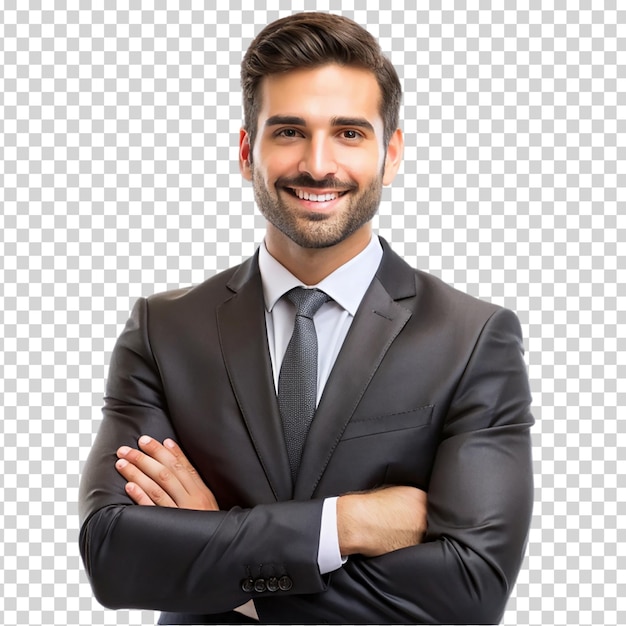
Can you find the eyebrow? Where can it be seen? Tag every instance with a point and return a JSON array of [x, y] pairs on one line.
[[293, 120], [287, 120], [359, 122]]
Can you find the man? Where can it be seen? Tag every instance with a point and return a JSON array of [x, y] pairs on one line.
[[265, 458]]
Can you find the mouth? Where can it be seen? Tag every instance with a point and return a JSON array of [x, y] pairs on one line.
[[320, 197]]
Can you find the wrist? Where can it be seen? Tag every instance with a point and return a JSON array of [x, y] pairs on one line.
[[349, 527]]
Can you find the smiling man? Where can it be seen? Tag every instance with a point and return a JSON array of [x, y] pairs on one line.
[[321, 434], [320, 162]]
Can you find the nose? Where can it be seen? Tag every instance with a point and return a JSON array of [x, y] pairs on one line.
[[319, 158]]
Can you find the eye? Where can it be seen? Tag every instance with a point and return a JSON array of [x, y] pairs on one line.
[[351, 134], [289, 133]]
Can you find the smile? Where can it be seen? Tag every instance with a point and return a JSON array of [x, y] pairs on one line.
[[313, 197]]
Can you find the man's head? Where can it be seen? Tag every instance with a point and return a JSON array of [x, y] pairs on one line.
[[308, 40], [321, 137]]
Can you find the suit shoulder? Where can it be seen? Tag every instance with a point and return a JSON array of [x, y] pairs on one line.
[[458, 317], [406, 283], [214, 289], [433, 302], [431, 286], [456, 308]]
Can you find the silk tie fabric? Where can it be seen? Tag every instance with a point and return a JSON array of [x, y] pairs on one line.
[[297, 381]]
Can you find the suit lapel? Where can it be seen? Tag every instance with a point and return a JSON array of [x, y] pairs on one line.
[[243, 337], [377, 323]]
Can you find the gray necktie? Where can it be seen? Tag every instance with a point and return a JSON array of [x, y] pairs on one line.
[[297, 382]]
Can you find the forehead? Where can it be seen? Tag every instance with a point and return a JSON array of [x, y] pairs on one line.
[[319, 93]]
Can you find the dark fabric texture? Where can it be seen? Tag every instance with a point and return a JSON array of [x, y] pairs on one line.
[[232, 617], [430, 389]]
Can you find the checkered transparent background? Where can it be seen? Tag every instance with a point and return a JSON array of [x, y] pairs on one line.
[[119, 123]]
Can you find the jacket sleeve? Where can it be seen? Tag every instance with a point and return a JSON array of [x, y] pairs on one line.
[[479, 502], [175, 559]]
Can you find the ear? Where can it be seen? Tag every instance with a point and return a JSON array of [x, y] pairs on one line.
[[245, 154], [393, 158]]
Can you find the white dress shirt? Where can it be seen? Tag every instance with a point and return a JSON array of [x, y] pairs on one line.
[[346, 286]]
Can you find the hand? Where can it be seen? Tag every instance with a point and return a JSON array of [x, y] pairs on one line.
[[161, 475], [380, 521]]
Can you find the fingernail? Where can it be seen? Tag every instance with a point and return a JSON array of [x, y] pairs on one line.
[[144, 440], [168, 443], [121, 464], [123, 451]]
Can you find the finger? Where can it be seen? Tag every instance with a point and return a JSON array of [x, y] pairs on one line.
[[173, 472], [143, 486], [138, 495], [174, 459], [187, 473], [153, 477], [202, 496]]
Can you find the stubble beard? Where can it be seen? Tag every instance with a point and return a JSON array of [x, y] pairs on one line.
[[318, 230]]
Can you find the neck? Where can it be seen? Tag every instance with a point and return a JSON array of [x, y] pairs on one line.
[[312, 265]]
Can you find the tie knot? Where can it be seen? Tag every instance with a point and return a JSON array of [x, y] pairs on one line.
[[307, 301]]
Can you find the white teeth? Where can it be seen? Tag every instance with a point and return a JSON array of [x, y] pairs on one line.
[[312, 197]]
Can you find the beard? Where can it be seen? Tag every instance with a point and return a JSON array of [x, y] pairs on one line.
[[313, 229]]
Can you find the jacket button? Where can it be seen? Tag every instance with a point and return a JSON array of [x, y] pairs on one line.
[[285, 583], [260, 585], [247, 585], [272, 584]]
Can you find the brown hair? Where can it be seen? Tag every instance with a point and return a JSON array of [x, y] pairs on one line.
[[312, 39]]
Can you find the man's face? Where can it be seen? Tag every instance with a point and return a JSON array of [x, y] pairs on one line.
[[318, 164]]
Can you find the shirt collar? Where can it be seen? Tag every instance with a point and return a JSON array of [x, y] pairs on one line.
[[346, 285]]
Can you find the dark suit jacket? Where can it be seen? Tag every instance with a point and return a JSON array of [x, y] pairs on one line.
[[430, 389]]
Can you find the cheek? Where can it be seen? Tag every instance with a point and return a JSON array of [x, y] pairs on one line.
[[362, 166], [273, 164], [366, 158]]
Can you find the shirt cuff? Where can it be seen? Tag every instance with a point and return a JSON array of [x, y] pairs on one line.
[[328, 555]]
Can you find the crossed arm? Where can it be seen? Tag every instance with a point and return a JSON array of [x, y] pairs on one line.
[[192, 561], [371, 523]]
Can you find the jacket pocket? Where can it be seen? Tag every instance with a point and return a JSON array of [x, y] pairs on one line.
[[380, 424]]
